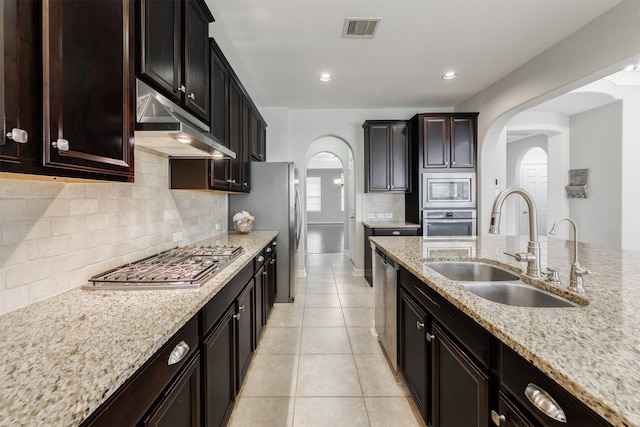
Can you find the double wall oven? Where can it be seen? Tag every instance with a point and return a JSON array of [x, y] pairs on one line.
[[448, 204]]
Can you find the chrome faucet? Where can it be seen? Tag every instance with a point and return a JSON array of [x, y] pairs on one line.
[[577, 272], [532, 256]]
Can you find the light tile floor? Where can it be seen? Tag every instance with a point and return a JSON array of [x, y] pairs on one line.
[[318, 364]]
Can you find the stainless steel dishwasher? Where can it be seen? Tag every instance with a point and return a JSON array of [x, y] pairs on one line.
[[385, 289]]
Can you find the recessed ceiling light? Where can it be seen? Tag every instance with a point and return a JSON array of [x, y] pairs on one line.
[[324, 77], [450, 75]]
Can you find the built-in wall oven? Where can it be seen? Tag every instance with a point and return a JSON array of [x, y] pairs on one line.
[[443, 223], [448, 190]]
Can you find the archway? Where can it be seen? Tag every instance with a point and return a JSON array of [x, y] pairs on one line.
[[325, 203], [339, 148]]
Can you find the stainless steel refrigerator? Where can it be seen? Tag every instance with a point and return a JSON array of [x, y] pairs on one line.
[[274, 201]]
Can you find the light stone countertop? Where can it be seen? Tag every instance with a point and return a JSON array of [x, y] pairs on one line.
[[390, 224], [64, 356], [593, 351]]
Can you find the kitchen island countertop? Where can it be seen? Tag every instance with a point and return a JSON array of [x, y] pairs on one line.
[[390, 224], [592, 351], [64, 356]]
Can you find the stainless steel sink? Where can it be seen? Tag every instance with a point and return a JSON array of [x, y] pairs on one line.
[[463, 271], [516, 293], [498, 285]]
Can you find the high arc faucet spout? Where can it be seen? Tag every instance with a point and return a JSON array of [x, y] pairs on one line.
[[532, 256]]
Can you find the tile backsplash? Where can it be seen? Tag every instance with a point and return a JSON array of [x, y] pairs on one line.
[[55, 235]]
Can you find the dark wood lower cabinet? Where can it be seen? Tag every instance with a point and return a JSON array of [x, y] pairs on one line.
[[219, 370], [413, 351], [261, 294], [245, 318], [460, 387], [180, 406]]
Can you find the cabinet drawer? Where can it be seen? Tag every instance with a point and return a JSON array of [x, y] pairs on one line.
[[223, 299], [516, 374], [464, 329], [134, 398], [394, 231]]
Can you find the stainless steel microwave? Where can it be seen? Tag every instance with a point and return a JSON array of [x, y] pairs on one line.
[[449, 190]]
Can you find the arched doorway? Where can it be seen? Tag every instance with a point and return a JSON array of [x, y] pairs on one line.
[[334, 146], [325, 204]]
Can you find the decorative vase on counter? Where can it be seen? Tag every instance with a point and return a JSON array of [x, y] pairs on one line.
[[242, 221], [243, 226]]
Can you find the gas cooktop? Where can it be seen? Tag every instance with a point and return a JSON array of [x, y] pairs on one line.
[[178, 268]]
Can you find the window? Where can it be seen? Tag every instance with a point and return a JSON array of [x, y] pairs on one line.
[[314, 194]]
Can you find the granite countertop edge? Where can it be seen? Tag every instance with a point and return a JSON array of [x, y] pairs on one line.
[[390, 224], [64, 356]]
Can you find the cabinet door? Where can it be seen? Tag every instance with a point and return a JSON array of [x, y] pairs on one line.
[[413, 351], [378, 157], [272, 282], [460, 387], [219, 370], [161, 45], [513, 417], [87, 94], [245, 158], [399, 152], [246, 330], [219, 98], [10, 83], [262, 141], [180, 406], [220, 174], [261, 294], [462, 142], [235, 136], [435, 148], [196, 59]]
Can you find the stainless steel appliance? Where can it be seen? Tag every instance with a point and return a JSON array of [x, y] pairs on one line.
[[274, 201], [441, 223], [385, 290], [448, 190], [178, 268]]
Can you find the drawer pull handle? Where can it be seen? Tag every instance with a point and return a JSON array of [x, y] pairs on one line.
[[430, 337], [419, 325], [544, 402], [496, 418], [178, 353], [396, 233]]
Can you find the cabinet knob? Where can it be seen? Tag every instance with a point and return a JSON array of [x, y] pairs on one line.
[[178, 353], [241, 308], [429, 337], [419, 325], [268, 250], [18, 135], [497, 418], [231, 181], [395, 233], [264, 273], [182, 89], [61, 144], [236, 316], [192, 96], [446, 163], [245, 184], [260, 258]]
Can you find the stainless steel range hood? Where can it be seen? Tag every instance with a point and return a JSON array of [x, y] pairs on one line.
[[164, 127]]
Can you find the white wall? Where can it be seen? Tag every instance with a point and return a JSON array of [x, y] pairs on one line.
[[596, 144], [54, 235], [630, 96], [600, 48]]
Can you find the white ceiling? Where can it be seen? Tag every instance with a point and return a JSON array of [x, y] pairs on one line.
[[279, 47]]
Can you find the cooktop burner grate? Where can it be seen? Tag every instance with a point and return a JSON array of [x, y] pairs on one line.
[[186, 267]]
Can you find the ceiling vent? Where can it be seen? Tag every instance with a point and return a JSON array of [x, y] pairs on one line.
[[360, 28]]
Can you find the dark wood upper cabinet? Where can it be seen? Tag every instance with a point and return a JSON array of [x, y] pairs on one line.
[[174, 51], [447, 140], [387, 163], [87, 86], [235, 136], [220, 78], [258, 136], [16, 74]]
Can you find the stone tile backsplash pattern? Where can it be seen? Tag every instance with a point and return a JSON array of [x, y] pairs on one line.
[[55, 235]]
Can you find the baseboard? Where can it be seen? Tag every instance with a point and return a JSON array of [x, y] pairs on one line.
[[358, 272]]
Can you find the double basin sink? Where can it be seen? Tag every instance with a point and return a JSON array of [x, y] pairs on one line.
[[498, 285]]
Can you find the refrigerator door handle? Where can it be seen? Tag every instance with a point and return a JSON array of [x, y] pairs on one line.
[[298, 219]]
